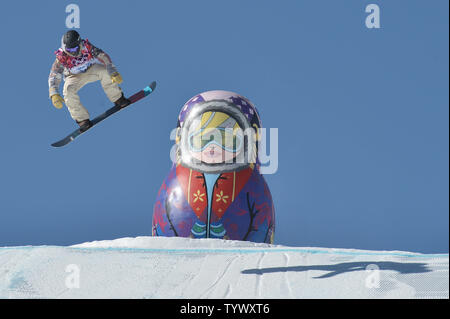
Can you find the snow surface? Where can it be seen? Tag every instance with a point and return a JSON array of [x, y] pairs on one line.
[[158, 267]]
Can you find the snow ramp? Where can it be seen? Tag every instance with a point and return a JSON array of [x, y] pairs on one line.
[[157, 267]]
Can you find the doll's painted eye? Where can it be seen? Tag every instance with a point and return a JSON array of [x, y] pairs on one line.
[[228, 139]]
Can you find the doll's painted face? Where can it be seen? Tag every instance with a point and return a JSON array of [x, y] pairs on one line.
[[215, 138]]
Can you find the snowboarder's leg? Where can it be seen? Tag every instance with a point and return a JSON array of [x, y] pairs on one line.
[[112, 90], [72, 85]]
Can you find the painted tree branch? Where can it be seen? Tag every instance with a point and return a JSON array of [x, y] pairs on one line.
[[168, 218], [252, 212]]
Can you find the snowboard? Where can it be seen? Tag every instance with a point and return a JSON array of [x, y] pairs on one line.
[[133, 99]]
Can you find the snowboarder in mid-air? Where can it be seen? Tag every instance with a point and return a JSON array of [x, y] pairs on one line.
[[80, 63]]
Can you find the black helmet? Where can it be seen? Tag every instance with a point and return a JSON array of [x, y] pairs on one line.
[[71, 42]]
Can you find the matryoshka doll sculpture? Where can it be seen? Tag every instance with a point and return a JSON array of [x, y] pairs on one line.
[[215, 189]]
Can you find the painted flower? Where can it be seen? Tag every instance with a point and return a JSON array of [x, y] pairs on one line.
[[198, 196], [221, 197]]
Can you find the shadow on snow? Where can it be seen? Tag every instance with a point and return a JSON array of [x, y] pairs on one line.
[[337, 269]]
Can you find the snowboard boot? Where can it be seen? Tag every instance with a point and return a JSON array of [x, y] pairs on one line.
[[84, 125], [122, 102]]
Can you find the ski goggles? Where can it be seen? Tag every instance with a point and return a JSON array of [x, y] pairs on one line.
[[73, 50], [228, 139]]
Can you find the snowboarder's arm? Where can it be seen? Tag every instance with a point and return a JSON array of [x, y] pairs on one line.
[[104, 58], [55, 77]]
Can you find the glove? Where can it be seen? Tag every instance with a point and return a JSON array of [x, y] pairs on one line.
[[116, 78], [57, 101]]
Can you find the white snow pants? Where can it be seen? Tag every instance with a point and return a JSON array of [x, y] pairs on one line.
[[73, 83]]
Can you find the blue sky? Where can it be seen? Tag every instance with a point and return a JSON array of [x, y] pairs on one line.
[[362, 116]]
